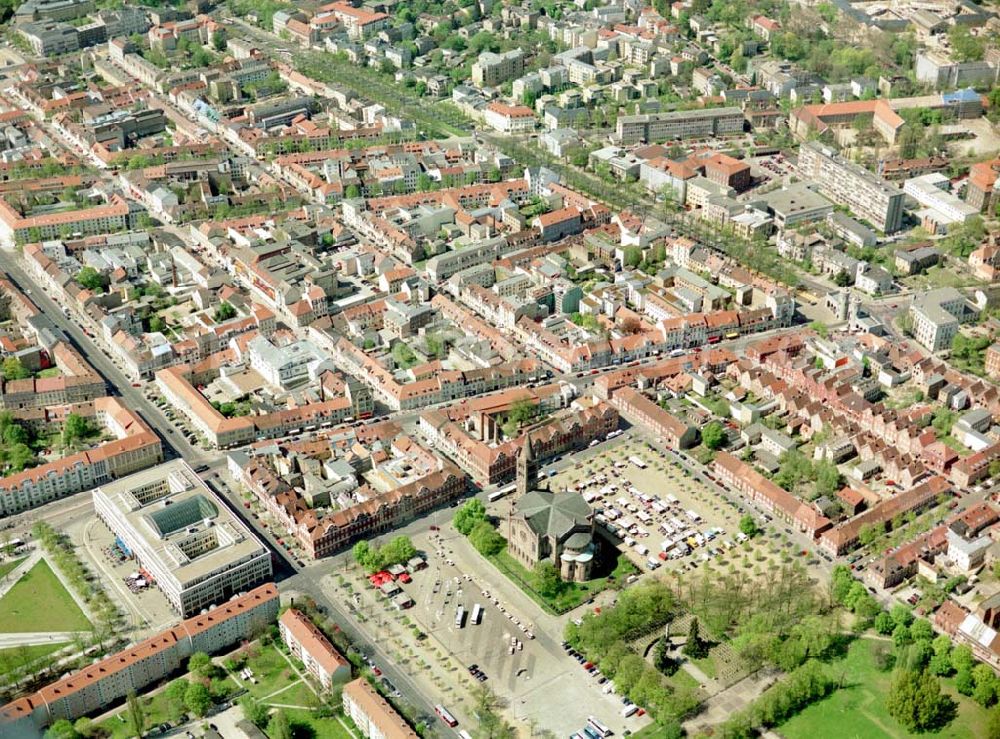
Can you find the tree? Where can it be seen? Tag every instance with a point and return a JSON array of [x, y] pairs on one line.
[[985, 692], [472, 512], [869, 533], [198, 663], [352, 192], [901, 615], [901, 636], [197, 699], [713, 435], [157, 324], [632, 256], [13, 369], [224, 312], [547, 579], [219, 40], [91, 279], [695, 647], [921, 630], [62, 729], [993, 724], [369, 557], [486, 540], [965, 47], [828, 478], [842, 279], [398, 551], [915, 700], [75, 427], [884, 623], [175, 694], [256, 713], [749, 526], [136, 715], [279, 728], [85, 727]]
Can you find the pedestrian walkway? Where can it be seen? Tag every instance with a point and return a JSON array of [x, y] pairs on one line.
[[11, 578], [33, 638]]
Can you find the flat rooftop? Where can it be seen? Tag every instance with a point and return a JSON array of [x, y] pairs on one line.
[[180, 521]]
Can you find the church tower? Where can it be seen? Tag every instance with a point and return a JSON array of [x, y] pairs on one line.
[[527, 469]]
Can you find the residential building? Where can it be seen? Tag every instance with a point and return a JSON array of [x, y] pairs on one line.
[[313, 649], [490, 69], [936, 317], [372, 714], [850, 185], [106, 682], [681, 124], [639, 409]]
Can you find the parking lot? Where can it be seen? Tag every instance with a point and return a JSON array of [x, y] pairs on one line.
[[654, 506], [513, 647]]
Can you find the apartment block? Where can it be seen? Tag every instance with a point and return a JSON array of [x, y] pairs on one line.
[[311, 646], [372, 714], [936, 317], [852, 186], [680, 124], [492, 69], [102, 684]]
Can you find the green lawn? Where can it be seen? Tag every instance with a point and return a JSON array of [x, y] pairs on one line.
[[858, 711], [299, 694], [26, 655], [307, 726], [272, 672], [706, 665], [573, 593], [683, 679], [50, 372], [6, 567], [39, 602], [155, 709]]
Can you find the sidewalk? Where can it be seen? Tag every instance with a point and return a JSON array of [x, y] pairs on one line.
[[32, 638], [11, 578]]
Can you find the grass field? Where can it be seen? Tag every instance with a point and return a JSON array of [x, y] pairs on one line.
[[28, 654], [272, 672], [6, 567], [298, 694], [858, 710], [305, 725], [39, 602]]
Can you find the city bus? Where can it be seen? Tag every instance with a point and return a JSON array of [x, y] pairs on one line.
[[443, 714], [477, 614], [598, 726], [502, 492], [460, 617], [464, 734]]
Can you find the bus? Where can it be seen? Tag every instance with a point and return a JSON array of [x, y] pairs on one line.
[[464, 734], [477, 615], [598, 726], [502, 492], [460, 617], [733, 335], [638, 462], [443, 714]]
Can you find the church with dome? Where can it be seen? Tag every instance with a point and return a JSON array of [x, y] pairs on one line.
[[557, 527]]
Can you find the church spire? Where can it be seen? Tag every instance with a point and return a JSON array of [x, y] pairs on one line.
[[527, 470]]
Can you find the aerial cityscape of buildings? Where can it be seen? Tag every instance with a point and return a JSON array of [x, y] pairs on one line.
[[363, 365]]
